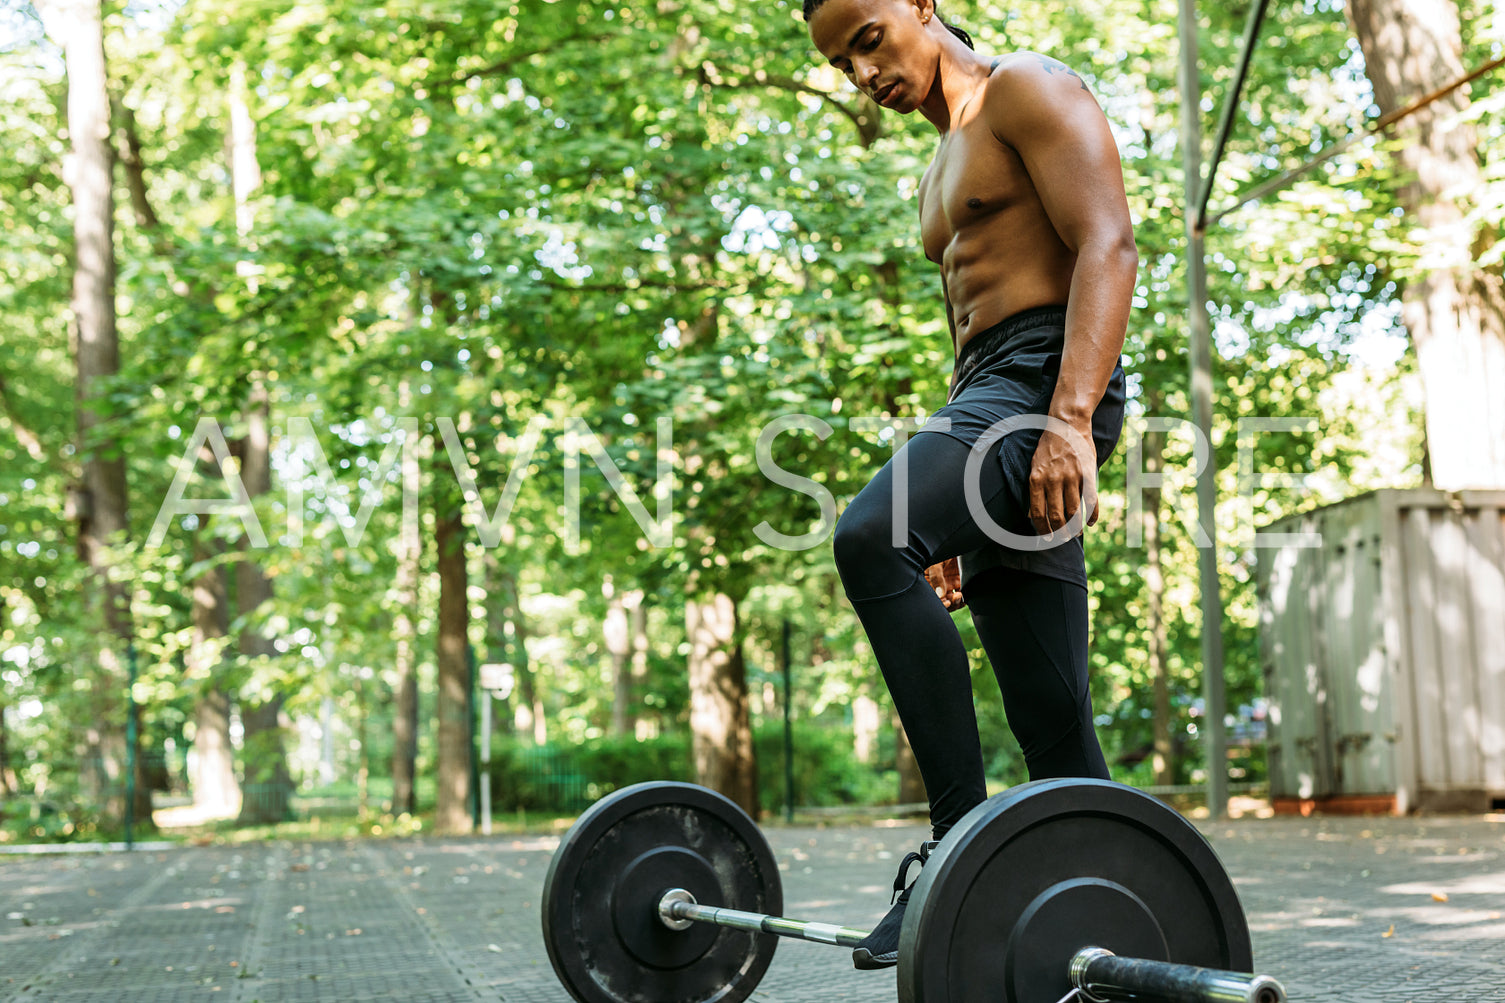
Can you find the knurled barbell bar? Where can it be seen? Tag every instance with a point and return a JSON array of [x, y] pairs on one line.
[[1051, 891]]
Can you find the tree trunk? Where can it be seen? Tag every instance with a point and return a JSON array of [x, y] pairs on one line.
[[405, 720], [911, 783], [405, 638], [617, 634], [211, 775], [865, 723], [326, 768], [638, 611], [529, 712], [135, 168], [363, 762], [266, 792], [452, 801], [720, 723], [216, 790], [101, 502], [1455, 311], [8, 785], [1163, 756], [245, 169], [499, 637]]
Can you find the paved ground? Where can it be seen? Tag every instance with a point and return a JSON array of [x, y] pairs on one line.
[[1352, 910]]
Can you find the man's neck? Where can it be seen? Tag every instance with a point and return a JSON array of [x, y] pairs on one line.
[[961, 73]]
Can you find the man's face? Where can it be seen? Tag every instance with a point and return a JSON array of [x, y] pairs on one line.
[[881, 45]]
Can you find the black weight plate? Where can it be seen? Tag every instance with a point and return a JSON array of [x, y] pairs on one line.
[[601, 895], [1032, 875], [644, 880]]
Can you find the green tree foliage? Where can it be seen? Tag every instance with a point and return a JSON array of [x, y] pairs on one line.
[[515, 236]]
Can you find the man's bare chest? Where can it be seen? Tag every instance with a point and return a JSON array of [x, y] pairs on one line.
[[973, 178]]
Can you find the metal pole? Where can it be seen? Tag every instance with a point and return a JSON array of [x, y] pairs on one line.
[[486, 763], [470, 715], [1230, 108], [132, 729], [788, 728], [1199, 331]]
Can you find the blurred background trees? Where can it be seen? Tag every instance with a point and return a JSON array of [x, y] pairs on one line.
[[465, 332]]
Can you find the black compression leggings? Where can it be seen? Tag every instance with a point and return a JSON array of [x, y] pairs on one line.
[[1033, 628]]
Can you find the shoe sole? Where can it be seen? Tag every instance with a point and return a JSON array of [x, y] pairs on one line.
[[865, 961]]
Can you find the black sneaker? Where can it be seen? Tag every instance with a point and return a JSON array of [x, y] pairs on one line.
[[880, 949]]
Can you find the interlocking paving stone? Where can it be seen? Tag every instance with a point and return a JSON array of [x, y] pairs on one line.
[[1376, 910]]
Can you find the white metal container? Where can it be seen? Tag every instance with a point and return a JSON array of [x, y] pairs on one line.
[[1384, 652]]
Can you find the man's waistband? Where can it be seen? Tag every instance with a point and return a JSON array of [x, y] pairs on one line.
[[986, 344]]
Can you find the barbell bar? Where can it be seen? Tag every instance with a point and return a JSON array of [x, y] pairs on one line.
[[1099, 973], [668, 893], [678, 910], [1107, 978]]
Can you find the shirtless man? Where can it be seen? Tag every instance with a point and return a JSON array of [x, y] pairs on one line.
[[1023, 209]]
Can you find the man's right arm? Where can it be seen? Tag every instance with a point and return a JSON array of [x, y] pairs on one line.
[[946, 577], [1044, 111]]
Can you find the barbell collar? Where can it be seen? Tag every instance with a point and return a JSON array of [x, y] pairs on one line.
[[1104, 977]]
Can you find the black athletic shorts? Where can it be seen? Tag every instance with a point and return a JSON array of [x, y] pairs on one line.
[[1004, 372]]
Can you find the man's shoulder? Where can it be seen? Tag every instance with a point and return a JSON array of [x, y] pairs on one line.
[[1026, 69], [1031, 93]]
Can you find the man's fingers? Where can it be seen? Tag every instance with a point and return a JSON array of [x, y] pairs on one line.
[[1037, 504], [1071, 501], [1046, 504], [1062, 486], [1058, 505], [1041, 521]]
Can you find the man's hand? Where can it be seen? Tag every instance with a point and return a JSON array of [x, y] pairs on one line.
[[1062, 478], [946, 579]]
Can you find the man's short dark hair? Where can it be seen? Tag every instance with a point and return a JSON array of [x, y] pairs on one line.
[[811, 6]]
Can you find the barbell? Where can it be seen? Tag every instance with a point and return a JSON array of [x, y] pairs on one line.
[[1052, 891]]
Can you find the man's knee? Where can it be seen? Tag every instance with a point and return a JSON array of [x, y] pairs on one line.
[[1073, 752], [863, 535]]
